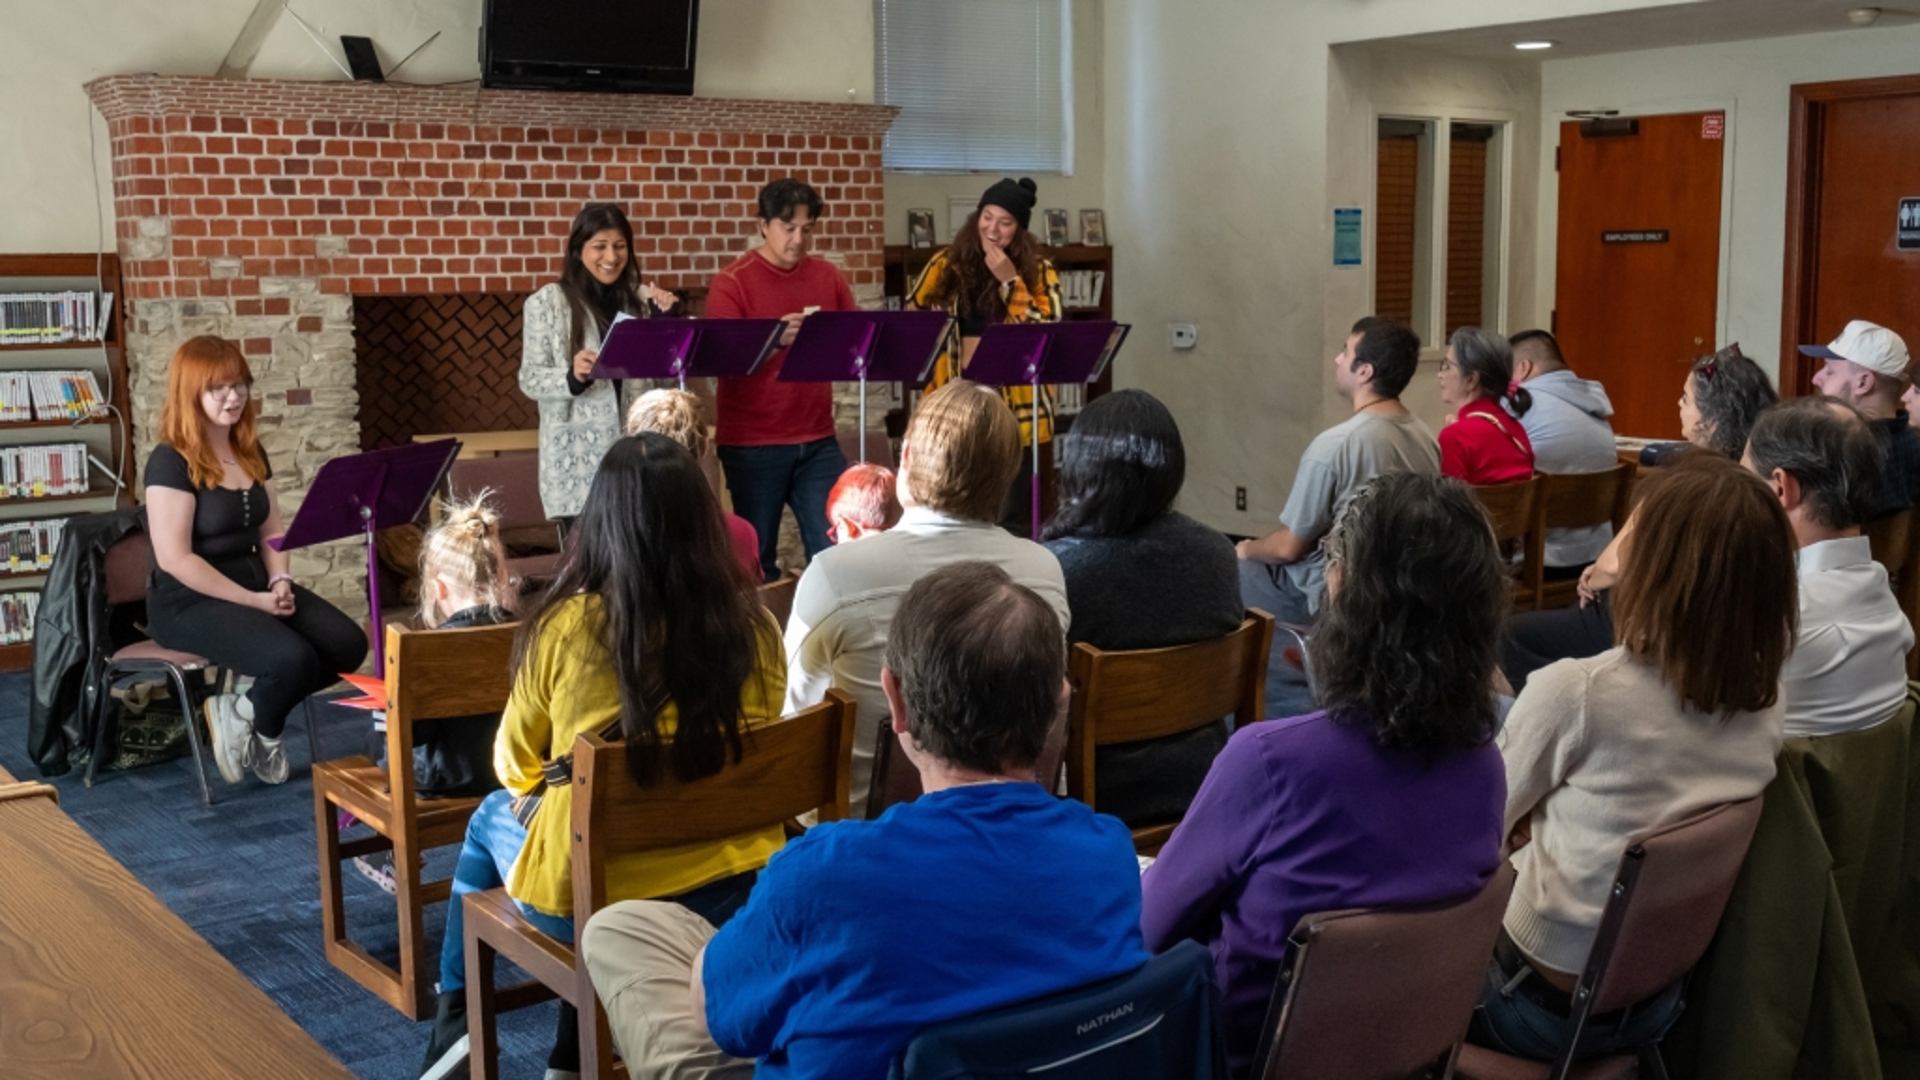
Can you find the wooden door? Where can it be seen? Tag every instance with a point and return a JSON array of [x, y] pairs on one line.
[[1636, 297], [1854, 156]]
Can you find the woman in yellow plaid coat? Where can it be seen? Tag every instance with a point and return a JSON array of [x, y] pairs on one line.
[[993, 273]]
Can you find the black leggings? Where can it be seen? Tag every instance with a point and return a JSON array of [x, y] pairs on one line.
[[1539, 638], [289, 658]]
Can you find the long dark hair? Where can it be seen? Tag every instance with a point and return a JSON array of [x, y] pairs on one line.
[[969, 289], [586, 297], [678, 620], [1121, 467], [1405, 648]]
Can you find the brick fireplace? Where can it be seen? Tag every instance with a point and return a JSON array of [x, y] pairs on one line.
[[261, 209]]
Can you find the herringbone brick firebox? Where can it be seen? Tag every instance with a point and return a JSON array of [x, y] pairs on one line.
[[313, 220], [434, 364]]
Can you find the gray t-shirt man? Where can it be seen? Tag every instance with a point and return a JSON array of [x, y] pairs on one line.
[[1338, 460]]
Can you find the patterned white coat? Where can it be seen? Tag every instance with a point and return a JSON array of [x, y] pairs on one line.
[[575, 431]]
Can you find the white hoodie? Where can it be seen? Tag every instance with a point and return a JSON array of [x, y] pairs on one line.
[[1568, 426]]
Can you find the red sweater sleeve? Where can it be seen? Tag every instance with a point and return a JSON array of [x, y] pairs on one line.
[[724, 299], [842, 292], [1455, 452]]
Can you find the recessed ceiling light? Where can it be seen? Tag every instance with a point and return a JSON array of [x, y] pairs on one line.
[[1534, 44]]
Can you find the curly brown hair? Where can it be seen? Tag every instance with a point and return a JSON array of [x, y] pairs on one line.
[[968, 288]]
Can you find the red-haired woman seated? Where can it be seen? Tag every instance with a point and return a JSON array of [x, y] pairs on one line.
[[218, 589]]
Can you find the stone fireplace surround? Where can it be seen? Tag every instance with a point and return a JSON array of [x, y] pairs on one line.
[[258, 209]]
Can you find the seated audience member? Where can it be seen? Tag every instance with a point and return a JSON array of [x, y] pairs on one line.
[[463, 583], [1682, 715], [1723, 395], [682, 417], [649, 633], [1848, 670], [217, 588], [1866, 367], [1389, 796], [1568, 427], [1283, 573], [961, 450], [862, 503], [1485, 443], [985, 891], [1140, 575]]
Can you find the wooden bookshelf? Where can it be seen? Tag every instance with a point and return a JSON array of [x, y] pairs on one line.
[[108, 438]]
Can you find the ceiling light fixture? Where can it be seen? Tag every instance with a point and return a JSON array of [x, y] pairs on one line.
[[1865, 16], [1530, 45]]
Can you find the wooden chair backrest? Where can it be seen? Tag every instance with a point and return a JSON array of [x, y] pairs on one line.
[[1514, 510], [436, 674], [1510, 507], [802, 763], [1149, 693], [777, 597], [1891, 540], [1583, 500]]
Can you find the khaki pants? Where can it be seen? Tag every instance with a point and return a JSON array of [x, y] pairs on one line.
[[640, 954]]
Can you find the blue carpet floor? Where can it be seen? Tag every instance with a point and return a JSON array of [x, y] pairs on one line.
[[244, 874]]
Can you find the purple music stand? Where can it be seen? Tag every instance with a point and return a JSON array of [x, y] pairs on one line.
[[1030, 354], [854, 346], [362, 494], [686, 348]]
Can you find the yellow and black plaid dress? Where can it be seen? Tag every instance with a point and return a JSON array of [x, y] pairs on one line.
[[1023, 305]]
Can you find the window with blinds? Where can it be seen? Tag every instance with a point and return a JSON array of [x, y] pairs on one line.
[[984, 85]]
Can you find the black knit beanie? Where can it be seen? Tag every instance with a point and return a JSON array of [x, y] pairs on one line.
[[1015, 197]]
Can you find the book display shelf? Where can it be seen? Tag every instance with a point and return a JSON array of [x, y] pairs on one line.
[[91, 435]]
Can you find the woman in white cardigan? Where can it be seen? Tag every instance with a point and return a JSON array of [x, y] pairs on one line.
[[560, 333], [1681, 715]]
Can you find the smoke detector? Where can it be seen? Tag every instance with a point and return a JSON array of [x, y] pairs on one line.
[[1865, 16]]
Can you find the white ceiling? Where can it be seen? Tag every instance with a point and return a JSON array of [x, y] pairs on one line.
[[1697, 23]]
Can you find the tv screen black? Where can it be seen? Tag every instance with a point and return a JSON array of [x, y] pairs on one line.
[[627, 46]]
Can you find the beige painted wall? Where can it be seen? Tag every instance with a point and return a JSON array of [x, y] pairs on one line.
[[1218, 185], [1367, 82], [1084, 189], [779, 49], [1752, 81]]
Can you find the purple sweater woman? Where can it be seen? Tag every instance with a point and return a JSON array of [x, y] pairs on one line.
[[1393, 794]]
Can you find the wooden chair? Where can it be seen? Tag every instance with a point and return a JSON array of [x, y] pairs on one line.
[[431, 674], [802, 763], [1581, 501], [1123, 697], [1514, 511], [777, 597], [1893, 539]]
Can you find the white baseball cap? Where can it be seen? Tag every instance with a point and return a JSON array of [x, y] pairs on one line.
[[1875, 348]]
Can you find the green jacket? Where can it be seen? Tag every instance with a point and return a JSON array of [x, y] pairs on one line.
[[1815, 971]]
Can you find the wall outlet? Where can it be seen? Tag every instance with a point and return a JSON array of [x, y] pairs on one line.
[[1183, 335], [1239, 498]]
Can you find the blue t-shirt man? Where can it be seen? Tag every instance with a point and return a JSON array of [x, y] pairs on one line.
[[859, 934]]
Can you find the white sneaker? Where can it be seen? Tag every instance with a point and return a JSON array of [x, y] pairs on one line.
[[232, 737], [268, 758]]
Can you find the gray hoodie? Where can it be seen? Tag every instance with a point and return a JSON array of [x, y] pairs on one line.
[[1568, 426]]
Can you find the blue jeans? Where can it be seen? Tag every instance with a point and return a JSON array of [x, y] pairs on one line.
[[763, 479], [494, 840], [1510, 1021], [1269, 588]]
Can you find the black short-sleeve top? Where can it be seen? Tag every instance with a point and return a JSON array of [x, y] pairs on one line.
[[226, 522]]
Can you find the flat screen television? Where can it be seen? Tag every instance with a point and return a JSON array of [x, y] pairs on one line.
[[609, 46]]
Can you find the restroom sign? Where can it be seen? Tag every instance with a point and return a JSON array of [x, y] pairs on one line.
[[1713, 125], [1907, 236]]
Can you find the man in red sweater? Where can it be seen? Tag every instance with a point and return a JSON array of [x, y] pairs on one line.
[[776, 439]]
